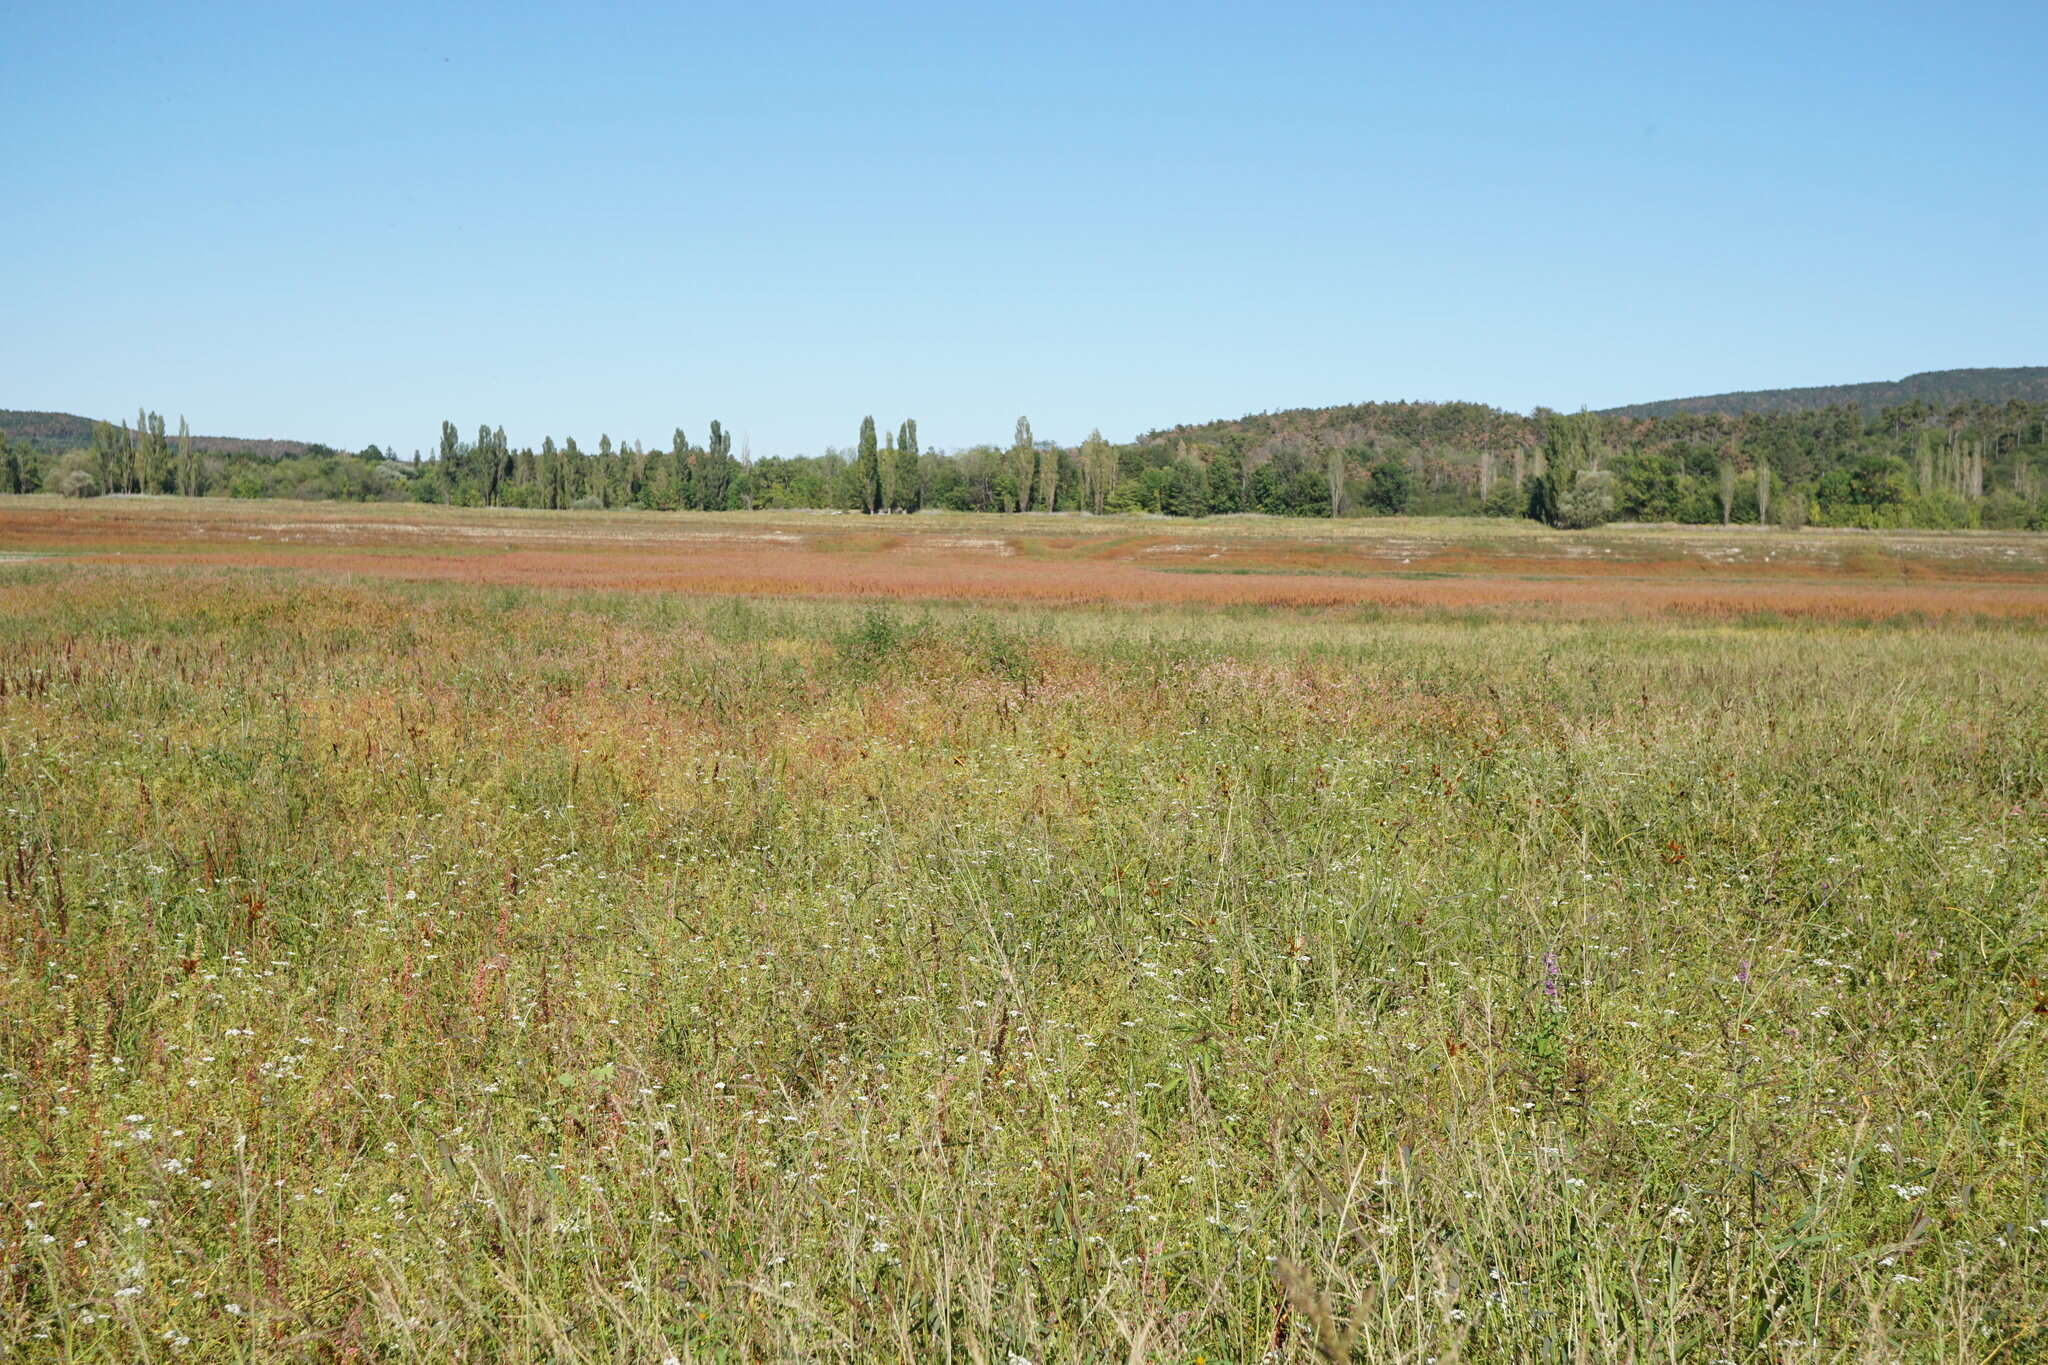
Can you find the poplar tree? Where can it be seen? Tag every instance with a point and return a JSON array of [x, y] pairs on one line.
[[110, 455], [1098, 471], [188, 466], [716, 471], [488, 464], [679, 467], [868, 467], [909, 490], [124, 463], [156, 457], [451, 460], [1023, 462]]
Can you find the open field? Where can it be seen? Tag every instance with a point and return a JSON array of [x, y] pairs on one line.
[[1495, 567], [490, 937]]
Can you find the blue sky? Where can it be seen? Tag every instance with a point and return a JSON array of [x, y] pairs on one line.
[[345, 223]]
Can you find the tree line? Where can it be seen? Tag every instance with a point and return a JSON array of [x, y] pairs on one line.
[[1915, 464], [144, 458]]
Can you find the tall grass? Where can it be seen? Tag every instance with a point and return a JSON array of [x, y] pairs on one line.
[[441, 973]]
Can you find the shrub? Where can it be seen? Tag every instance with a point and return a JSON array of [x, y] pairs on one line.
[[1939, 511], [1126, 498], [2004, 511], [879, 637], [1506, 500], [1790, 509], [74, 476], [1589, 501]]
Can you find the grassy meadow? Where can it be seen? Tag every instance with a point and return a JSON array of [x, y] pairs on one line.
[[444, 971]]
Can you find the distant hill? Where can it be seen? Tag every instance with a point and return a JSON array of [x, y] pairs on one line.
[[1471, 425], [1942, 388], [56, 432]]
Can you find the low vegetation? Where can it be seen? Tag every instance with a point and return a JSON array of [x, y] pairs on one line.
[[440, 971]]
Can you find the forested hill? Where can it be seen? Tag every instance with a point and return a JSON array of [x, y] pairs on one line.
[[56, 432], [1476, 426], [1939, 388], [1472, 426]]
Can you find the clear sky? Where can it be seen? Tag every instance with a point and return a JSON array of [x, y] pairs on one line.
[[346, 222]]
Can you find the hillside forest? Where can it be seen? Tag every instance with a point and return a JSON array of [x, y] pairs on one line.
[[1914, 464]]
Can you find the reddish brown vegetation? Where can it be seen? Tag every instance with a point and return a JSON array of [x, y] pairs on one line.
[[1694, 572]]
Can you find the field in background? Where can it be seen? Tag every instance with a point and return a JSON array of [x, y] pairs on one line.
[[1408, 565], [423, 938]]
